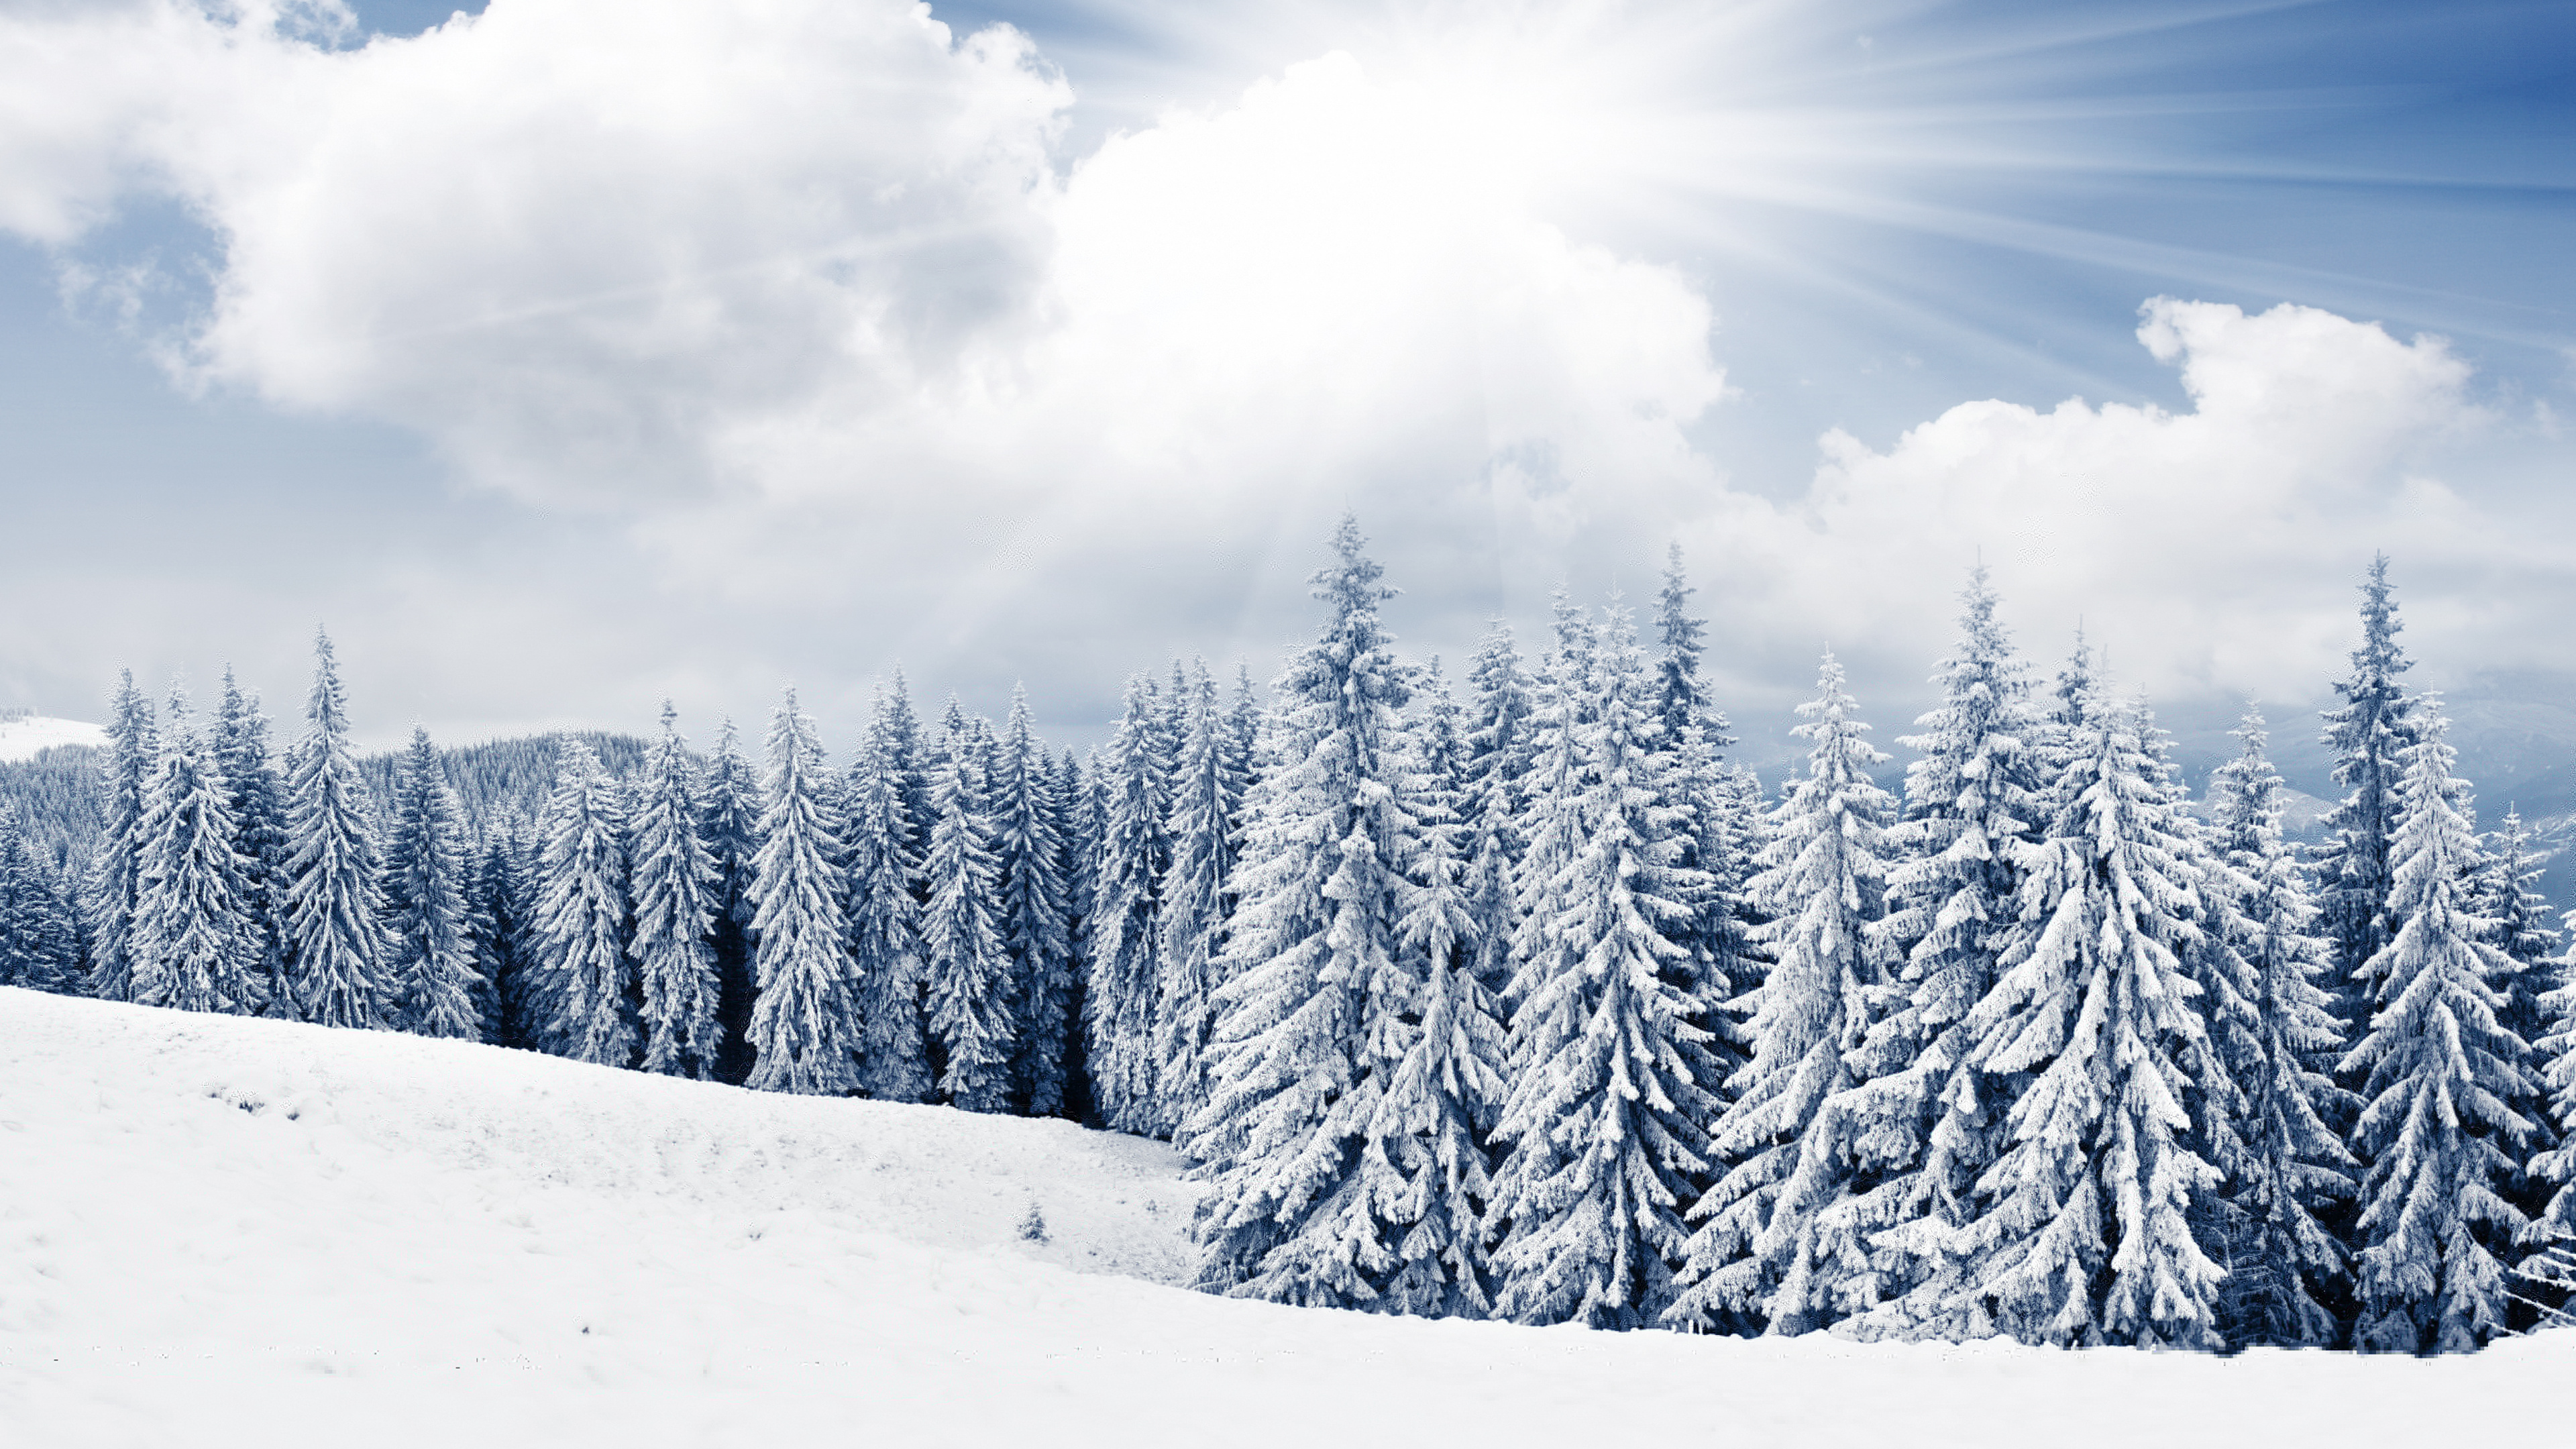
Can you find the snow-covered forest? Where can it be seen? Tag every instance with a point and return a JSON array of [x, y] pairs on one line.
[[1510, 997]]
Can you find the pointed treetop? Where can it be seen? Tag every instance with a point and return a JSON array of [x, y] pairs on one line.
[[2379, 659], [1350, 583], [2078, 691]]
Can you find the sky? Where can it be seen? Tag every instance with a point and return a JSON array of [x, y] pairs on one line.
[[565, 356]]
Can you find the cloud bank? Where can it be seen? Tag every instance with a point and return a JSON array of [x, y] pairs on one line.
[[804, 306]]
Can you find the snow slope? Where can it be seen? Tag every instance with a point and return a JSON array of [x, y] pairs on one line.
[[216, 1231], [23, 737]]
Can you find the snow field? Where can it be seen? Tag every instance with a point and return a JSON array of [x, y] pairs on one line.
[[24, 739], [218, 1231]]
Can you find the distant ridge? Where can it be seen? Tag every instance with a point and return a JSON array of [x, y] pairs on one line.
[[24, 734]]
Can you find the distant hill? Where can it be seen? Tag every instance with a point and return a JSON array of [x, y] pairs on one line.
[[24, 734], [59, 790], [503, 780]]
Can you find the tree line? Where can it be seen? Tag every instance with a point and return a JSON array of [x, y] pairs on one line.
[[1526, 1004]]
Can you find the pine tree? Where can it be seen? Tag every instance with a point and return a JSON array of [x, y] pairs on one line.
[[2554, 1262], [1206, 793], [1719, 960], [2440, 1071], [729, 828], [505, 954], [1035, 923], [581, 909], [1497, 757], [806, 1025], [37, 950], [1312, 1010], [432, 948], [1922, 1119], [1134, 855], [674, 885], [334, 899], [1431, 1131], [886, 950], [1550, 823], [2370, 733], [1242, 732], [967, 974], [259, 816], [195, 945], [1077, 806], [905, 760], [1763, 1247], [1604, 1120], [134, 757], [2082, 1230], [2278, 1042], [1498, 731], [2503, 892]]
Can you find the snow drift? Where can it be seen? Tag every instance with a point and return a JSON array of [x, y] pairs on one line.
[[221, 1231]]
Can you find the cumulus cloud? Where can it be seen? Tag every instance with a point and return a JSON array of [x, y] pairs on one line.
[[2210, 549], [805, 305], [568, 240]]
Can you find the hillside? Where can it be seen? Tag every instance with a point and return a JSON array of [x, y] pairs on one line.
[[218, 1231], [23, 736]]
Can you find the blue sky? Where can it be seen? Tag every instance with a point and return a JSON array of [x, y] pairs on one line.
[[1046, 362]]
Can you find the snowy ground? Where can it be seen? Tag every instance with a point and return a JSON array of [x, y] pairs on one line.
[[216, 1231], [21, 739]]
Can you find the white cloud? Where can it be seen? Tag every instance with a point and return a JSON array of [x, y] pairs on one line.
[[2208, 549], [802, 298], [812, 255]]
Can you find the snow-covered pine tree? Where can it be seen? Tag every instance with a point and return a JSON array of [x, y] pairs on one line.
[[2082, 1230], [1311, 1014], [1764, 1248], [2370, 733], [967, 974], [1434, 1122], [1242, 731], [1035, 923], [334, 930], [38, 948], [195, 944], [907, 760], [1077, 805], [1923, 1118], [1604, 1121], [259, 818], [432, 948], [1498, 756], [505, 950], [1206, 794], [2507, 872], [1499, 723], [2277, 1042], [886, 951], [2553, 1234], [2440, 1073], [806, 1027], [133, 758], [581, 909], [674, 881], [1720, 962], [730, 830], [1134, 855], [1549, 826]]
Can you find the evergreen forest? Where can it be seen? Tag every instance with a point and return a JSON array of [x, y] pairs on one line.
[[1509, 996]]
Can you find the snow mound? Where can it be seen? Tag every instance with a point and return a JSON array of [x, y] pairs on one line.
[[216, 1231], [23, 737]]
